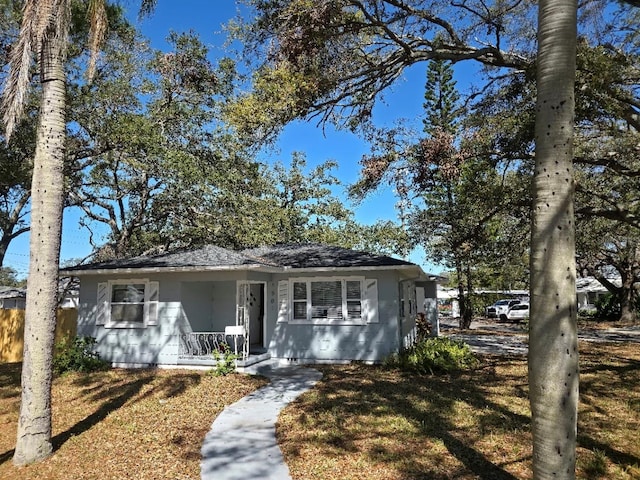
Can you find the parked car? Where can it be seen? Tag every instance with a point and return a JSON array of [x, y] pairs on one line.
[[516, 313], [501, 307]]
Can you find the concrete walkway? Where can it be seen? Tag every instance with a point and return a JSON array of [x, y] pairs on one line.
[[242, 443]]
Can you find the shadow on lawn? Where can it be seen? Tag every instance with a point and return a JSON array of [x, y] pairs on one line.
[[115, 397], [429, 403], [100, 387], [598, 379], [443, 394], [458, 411], [118, 396]]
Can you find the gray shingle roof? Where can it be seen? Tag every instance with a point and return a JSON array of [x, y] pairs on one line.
[[320, 256], [278, 256], [207, 256], [12, 292]]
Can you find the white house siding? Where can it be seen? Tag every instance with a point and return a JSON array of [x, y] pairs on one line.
[[370, 342], [187, 303], [190, 302]]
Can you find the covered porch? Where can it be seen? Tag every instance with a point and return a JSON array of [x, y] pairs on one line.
[[222, 318], [208, 348]]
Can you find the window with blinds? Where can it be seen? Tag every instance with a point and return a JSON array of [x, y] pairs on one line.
[[127, 303], [326, 300], [331, 300]]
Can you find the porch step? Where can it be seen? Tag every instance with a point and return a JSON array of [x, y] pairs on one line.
[[252, 360]]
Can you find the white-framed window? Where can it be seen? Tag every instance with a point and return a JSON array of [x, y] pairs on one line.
[[327, 300], [127, 303]]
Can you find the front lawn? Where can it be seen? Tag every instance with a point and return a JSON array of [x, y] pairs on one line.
[[359, 422], [119, 424], [365, 422]]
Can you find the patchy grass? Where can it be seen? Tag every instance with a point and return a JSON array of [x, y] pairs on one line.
[[359, 422], [118, 424], [364, 422]]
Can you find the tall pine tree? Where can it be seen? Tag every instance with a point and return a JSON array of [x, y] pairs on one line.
[[442, 159], [441, 99]]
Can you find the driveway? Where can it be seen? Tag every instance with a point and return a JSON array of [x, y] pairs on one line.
[[499, 338]]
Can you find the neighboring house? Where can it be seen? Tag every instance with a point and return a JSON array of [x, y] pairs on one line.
[[589, 290], [68, 293], [13, 297], [300, 303]]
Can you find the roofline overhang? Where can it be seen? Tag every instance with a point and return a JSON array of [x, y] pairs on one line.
[[408, 271], [187, 269], [356, 267]]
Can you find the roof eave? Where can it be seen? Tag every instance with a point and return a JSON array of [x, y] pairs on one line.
[[404, 269], [184, 269]]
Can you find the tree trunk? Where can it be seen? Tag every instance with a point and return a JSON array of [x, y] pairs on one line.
[[462, 299], [34, 425], [553, 342], [4, 246], [468, 312], [626, 297]]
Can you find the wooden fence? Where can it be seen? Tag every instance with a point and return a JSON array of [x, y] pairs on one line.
[[12, 331]]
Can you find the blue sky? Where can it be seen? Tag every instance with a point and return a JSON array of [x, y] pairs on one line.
[[207, 18]]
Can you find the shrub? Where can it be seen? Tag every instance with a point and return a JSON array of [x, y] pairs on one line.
[[587, 313], [78, 356], [226, 361], [608, 307], [435, 355]]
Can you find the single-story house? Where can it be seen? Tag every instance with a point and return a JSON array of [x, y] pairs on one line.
[[589, 290], [13, 297], [302, 303], [16, 297]]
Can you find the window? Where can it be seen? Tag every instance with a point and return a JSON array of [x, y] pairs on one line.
[[127, 303], [327, 300], [300, 300]]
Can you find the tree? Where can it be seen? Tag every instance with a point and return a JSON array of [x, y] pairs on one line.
[[440, 173], [553, 339], [15, 159], [301, 205], [606, 247], [441, 105], [331, 60], [15, 184], [145, 122], [455, 196], [9, 278], [44, 34]]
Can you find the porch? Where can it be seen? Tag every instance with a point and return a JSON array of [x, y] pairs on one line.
[[207, 348]]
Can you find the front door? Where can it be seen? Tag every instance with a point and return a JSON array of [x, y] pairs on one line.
[[251, 312]]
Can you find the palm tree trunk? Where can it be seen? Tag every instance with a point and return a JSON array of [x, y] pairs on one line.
[[553, 343], [34, 426]]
